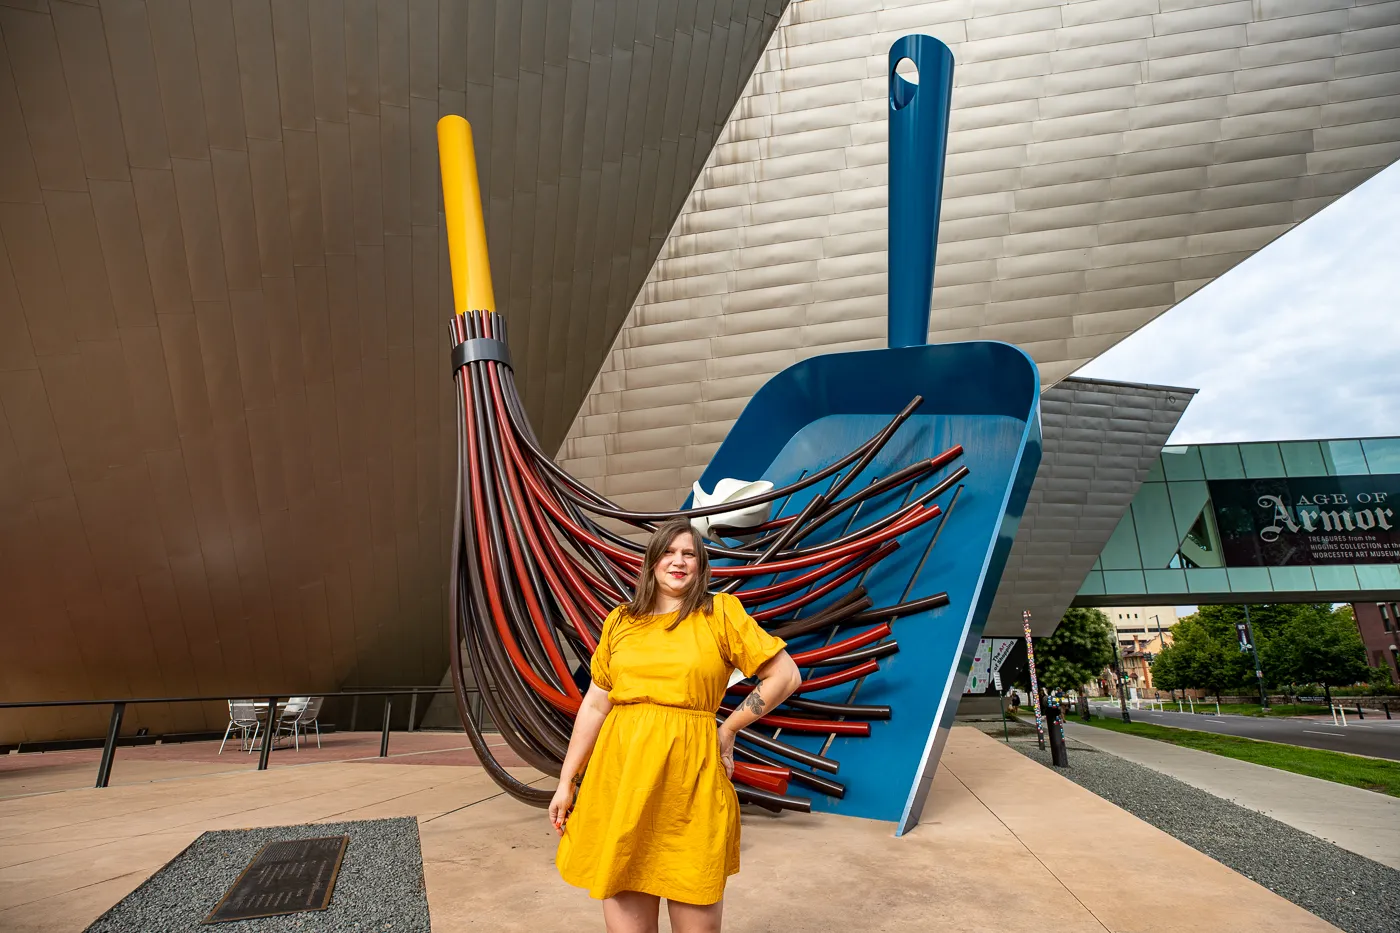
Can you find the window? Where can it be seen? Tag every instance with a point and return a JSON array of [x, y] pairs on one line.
[[1385, 614]]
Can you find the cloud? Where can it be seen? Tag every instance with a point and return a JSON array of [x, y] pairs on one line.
[[1300, 341]]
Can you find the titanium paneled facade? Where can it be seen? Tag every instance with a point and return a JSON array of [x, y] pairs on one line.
[[1101, 441], [1107, 158], [226, 423]]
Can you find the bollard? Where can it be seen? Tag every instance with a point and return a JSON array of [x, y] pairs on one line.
[[1387, 710], [1059, 755], [109, 748], [269, 734], [384, 736], [1359, 714]]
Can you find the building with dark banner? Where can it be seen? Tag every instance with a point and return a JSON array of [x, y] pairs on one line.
[[1294, 521], [226, 424]]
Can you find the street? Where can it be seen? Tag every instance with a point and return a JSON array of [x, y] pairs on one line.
[[1378, 737]]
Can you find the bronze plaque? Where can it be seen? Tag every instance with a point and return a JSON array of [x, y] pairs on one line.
[[285, 877]]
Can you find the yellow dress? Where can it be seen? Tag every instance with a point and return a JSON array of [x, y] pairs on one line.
[[655, 812]]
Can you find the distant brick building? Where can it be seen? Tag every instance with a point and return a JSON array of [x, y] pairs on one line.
[[1142, 632], [1379, 624]]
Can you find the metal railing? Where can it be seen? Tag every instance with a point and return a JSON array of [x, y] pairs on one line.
[[109, 745]]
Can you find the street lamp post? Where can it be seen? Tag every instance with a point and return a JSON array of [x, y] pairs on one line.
[[1162, 640], [1254, 653], [1122, 677]]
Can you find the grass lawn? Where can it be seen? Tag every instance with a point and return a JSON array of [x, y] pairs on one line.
[[1254, 709], [1369, 773], [1207, 707]]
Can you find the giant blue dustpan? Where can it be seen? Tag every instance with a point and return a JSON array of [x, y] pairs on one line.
[[982, 395]]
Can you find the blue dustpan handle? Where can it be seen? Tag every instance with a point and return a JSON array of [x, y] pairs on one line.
[[918, 146]]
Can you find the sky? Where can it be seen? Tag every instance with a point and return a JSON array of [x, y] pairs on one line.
[[1300, 341]]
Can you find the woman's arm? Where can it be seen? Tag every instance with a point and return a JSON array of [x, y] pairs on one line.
[[777, 679], [587, 724]]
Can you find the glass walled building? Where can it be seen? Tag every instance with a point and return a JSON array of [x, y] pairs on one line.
[[1307, 521]]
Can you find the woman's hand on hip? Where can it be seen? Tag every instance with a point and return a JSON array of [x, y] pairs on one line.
[[726, 750], [560, 806]]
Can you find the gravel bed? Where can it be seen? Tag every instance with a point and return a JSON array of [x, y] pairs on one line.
[[380, 886], [1345, 889]]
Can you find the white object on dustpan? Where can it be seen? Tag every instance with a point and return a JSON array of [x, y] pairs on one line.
[[730, 490]]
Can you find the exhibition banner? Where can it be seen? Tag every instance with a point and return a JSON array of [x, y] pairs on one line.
[[1310, 520]]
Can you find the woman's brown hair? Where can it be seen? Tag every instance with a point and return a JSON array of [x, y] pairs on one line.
[[697, 597]]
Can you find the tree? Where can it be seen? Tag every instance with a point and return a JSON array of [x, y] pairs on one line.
[[1198, 657], [1166, 670], [1297, 643], [1321, 647], [1078, 651], [1379, 677]]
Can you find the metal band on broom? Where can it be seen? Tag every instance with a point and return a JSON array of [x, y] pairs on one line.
[[1035, 687]]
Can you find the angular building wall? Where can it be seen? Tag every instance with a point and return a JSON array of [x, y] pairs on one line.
[[1107, 159], [226, 424], [1101, 440]]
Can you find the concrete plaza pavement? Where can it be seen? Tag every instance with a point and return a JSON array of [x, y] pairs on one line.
[[1001, 846], [1375, 736], [46, 772], [1360, 821]]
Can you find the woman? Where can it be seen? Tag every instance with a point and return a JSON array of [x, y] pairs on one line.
[[656, 815]]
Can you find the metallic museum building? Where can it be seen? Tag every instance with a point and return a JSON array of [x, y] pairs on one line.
[[226, 426]]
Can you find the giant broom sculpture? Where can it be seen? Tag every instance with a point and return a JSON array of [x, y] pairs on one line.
[[538, 560]]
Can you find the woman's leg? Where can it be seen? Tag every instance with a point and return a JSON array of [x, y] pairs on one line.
[[632, 912], [695, 918]]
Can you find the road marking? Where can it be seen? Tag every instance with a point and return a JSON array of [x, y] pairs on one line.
[[1339, 735], [1221, 721]]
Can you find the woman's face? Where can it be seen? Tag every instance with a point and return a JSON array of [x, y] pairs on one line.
[[675, 571]]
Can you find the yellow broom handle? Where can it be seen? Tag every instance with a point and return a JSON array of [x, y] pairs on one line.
[[466, 226]]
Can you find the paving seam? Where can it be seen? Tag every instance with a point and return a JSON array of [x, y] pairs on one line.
[[1029, 850], [400, 797], [183, 826], [70, 890], [191, 777], [215, 816], [475, 802], [368, 781], [124, 838]]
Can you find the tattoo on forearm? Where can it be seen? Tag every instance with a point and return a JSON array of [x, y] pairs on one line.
[[754, 701]]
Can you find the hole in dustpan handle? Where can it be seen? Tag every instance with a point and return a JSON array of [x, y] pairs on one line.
[[918, 146], [902, 87]]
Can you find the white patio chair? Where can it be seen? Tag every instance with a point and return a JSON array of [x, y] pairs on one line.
[[288, 717], [243, 716], [309, 716]]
